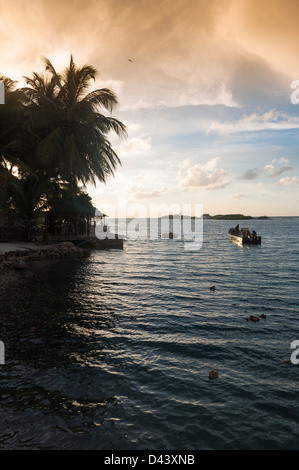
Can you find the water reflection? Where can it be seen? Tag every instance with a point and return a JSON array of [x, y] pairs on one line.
[[114, 352], [57, 350], [51, 319]]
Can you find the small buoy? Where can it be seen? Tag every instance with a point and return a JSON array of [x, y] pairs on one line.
[[213, 374], [253, 318]]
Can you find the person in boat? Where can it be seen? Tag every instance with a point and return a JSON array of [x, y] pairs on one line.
[[245, 234], [254, 237]]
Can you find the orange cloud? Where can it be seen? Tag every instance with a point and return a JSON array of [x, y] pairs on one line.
[[182, 52]]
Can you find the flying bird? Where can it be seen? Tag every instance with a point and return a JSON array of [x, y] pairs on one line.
[[130, 60]]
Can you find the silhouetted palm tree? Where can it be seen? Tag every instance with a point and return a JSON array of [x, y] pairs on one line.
[[71, 125], [54, 131], [11, 122]]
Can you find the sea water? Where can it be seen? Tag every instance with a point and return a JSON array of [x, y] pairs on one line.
[[113, 351]]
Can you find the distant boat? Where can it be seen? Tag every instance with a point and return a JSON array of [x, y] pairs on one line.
[[244, 236], [170, 235]]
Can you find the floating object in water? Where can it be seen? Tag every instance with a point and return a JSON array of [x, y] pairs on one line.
[[212, 288], [170, 235], [287, 361], [263, 315], [213, 374], [253, 318]]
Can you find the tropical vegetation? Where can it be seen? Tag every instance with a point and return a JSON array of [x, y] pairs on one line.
[[54, 141]]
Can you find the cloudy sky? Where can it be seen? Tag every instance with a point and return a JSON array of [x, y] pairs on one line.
[[208, 95]]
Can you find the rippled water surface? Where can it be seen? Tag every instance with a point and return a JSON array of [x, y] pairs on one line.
[[113, 351]]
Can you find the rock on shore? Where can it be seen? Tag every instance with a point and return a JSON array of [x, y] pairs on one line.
[[18, 259]]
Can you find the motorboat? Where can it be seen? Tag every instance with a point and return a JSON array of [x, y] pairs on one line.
[[244, 236]]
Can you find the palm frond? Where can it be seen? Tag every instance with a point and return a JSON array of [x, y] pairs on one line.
[[103, 97]]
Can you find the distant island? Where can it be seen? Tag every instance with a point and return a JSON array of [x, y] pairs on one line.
[[232, 217], [214, 217], [178, 216]]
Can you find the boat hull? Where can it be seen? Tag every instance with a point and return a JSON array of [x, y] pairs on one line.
[[245, 241]]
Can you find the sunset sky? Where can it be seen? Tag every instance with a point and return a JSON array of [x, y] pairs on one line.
[[206, 94]]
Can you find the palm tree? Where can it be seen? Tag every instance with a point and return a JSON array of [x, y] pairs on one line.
[[11, 121], [24, 188], [11, 113], [21, 182], [54, 131], [71, 125]]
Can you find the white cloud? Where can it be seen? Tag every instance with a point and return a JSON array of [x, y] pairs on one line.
[[288, 181], [272, 172], [202, 94], [270, 120], [184, 165], [115, 85], [282, 160], [270, 169], [193, 177], [131, 126], [134, 145]]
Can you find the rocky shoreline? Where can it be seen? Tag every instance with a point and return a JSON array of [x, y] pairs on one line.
[[18, 259]]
